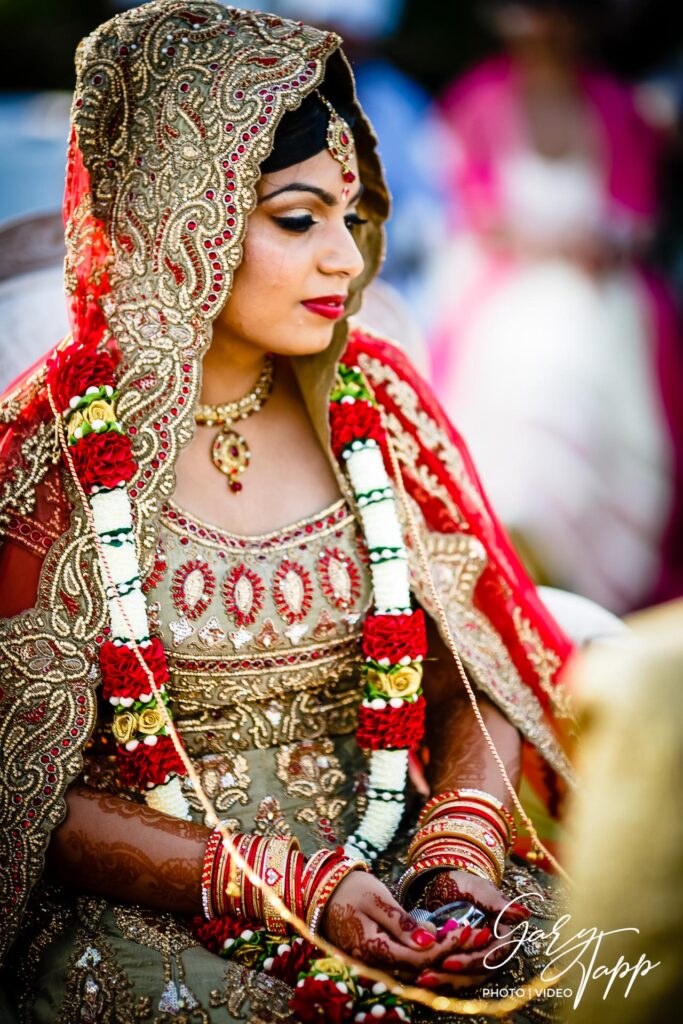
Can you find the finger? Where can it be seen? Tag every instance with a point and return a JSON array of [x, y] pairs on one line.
[[377, 946], [394, 919], [455, 943], [486, 957], [464, 938], [436, 979]]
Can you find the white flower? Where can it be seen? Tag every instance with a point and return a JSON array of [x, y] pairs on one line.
[[390, 585], [381, 526], [135, 608], [388, 770], [169, 799], [122, 561], [366, 470], [111, 510]]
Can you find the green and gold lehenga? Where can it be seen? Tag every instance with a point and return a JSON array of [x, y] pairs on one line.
[[262, 634]]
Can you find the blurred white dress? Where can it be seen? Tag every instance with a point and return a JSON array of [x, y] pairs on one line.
[[555, 391]]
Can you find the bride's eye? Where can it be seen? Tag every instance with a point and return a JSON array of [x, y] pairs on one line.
[[297, 224], [352, 220]]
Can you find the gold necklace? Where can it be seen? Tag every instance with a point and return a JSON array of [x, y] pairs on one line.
[[230, 452]]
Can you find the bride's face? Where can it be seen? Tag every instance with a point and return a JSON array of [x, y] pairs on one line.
[[299, 259]]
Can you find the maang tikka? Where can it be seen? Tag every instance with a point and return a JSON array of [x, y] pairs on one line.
[[339, 140]]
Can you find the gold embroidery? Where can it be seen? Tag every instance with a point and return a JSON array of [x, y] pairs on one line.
[[269, 819], [311, 770], [97, 988], [456, 562], [252, 996], [225, 779], [546, 665], [431, 435]]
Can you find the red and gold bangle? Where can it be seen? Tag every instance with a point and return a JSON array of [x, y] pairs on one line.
[[457, 827], [294, 888], [472, 811], [315, 869], [485, 800], [429, 864], [278, 854], [207, 873], [326, 887], [462, 851], [441, 803]]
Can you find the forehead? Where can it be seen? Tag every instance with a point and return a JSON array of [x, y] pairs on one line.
[[321, 170]]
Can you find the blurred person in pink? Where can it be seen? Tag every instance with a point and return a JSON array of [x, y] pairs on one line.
[[555, 350]]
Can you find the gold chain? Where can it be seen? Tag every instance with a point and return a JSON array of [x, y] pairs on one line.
[[217, 415]]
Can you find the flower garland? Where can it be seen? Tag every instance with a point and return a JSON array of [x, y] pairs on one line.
[[391, 715], [81, 382], [324, 988]]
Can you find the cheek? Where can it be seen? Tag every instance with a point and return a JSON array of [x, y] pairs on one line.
[[273, 267]]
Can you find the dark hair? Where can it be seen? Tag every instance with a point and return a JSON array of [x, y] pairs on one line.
[[303, 132]]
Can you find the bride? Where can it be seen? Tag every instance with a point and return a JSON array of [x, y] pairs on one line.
[[240, 547]]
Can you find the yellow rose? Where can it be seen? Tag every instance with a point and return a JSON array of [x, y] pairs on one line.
[[405, 681], [99, 410], [332, 967], [75, 421], [150, 721], [402, 682], [124, 726], [377, 678]]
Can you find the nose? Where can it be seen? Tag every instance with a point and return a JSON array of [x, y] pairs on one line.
[[341, 257]]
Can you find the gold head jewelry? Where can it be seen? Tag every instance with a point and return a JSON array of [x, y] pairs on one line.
[[339, 140], [230, 452]]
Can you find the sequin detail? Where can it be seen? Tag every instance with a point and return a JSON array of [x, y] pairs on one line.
[[292, 591], [192, 588]]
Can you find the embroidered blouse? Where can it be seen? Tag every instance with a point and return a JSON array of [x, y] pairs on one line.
[[263, 641]]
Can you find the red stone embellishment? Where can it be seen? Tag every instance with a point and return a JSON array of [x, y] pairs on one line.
[[192, 588], [339, 578], [157, 572], [243, 594], [292, 591]]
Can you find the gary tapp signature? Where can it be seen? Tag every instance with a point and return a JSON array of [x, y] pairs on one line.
[[580, 950]]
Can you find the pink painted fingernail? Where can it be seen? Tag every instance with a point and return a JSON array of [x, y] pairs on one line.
[[423, 938], [449, 926]]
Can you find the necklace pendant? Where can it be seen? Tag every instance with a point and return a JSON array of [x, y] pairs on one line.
[[231, 454]]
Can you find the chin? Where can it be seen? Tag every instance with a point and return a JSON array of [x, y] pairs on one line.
[[305, 343]]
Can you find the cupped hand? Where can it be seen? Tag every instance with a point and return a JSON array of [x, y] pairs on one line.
[[472, 965], [364, 920]]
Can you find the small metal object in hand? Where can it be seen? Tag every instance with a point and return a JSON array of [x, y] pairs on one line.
[[461, 911]]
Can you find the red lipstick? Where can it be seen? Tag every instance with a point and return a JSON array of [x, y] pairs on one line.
[[329, 306]]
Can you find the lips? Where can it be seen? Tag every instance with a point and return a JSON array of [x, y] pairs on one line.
[[331, 307]]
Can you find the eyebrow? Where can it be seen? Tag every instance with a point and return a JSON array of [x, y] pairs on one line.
[[299, 186]]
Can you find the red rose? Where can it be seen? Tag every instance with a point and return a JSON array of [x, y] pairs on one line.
[[213, 933], [391, 728], [395, 636], [354, 421], [122, 674], [316, 1001], [76, 369], [288, 966], [103, 459], [148, 763]]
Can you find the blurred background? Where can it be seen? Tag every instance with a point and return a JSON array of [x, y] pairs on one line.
[[535, 250]]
